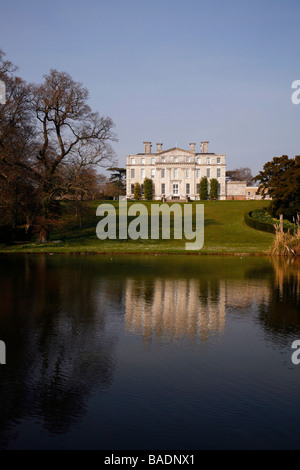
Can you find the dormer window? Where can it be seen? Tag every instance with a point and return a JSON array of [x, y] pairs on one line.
[[163, 159]]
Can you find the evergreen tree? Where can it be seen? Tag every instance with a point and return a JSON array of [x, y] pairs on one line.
[[203, 188], [148, 189], [214, 187], [280, 179], [117, 180], [137, 191]]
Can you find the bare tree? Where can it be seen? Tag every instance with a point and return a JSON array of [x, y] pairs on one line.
[[51, 142], [87, 185], [69, 133], [240, 174], [16, 143], [7, 68]]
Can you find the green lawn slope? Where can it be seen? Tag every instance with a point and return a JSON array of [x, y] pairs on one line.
[[225, 232]]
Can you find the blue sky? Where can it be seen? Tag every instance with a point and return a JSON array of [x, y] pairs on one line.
[[172, 71]]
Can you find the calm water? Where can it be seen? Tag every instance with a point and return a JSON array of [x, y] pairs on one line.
[[170, 352]]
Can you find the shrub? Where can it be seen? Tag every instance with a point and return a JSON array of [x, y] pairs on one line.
[[285, 243], [203, 189], [148, 189], [261, 220], [137, 191], [8, 234], [214, 186]]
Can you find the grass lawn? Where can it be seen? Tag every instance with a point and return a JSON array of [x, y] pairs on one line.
[[225, 232]]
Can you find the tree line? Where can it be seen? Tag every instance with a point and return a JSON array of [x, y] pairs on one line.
[[51, 145]]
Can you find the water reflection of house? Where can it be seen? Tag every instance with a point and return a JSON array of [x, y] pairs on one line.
[[191, 307], [174, 308], [241, 295]]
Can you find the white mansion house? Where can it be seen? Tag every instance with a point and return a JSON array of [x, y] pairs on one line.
[[175, 173]]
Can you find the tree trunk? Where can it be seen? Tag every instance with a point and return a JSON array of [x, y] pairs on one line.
[[44, 235], [15, 206]]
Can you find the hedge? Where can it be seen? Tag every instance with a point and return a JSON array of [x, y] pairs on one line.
[[258, 224], [254, 219]]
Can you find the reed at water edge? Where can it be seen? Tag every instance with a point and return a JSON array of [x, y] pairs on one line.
[[286, 244]]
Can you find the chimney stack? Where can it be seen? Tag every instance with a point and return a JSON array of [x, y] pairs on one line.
[[147, 147], [204, 147], [159, 147], [192, 147]]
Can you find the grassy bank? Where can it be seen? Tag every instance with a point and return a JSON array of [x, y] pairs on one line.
[[225, 232]]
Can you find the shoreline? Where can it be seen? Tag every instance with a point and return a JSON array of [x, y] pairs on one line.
[[139, 253]]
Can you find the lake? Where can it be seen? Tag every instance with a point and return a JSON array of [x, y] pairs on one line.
[[149, 352]]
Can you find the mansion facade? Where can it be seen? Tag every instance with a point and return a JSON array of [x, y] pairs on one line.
[[175, 173]]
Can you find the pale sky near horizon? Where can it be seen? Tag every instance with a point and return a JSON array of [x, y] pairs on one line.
[[172, 71]]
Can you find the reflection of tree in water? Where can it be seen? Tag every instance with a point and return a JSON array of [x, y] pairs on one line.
[[204, 291], [209, 290], [53, 318], [281, 315], [53, 321], [144, 290]]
